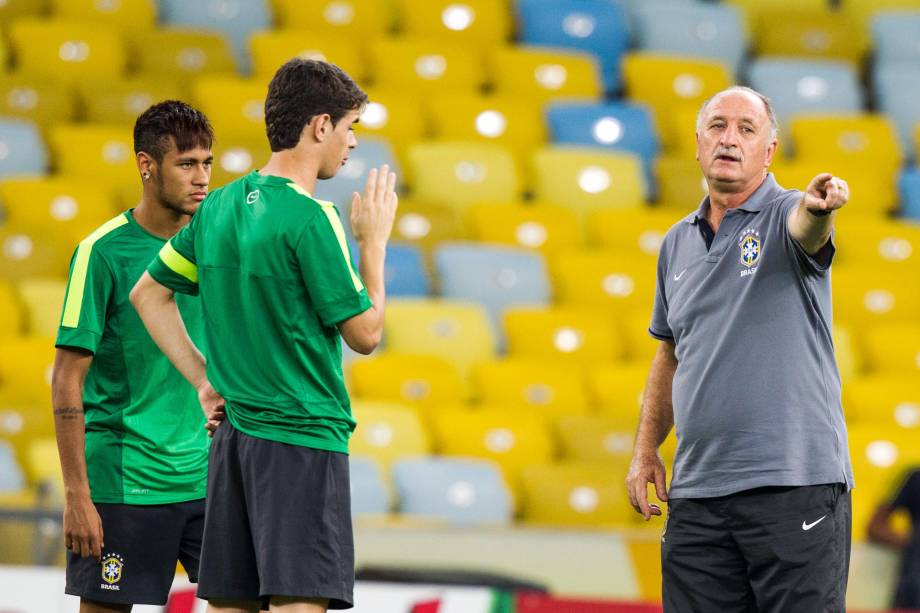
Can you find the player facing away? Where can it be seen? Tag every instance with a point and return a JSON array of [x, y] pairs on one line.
[[130, 430], [275, 278]]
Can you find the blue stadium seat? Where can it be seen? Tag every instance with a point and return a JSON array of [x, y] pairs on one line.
[[897, 90], [696, 30], [368, 493], [22, 150], [495, 277], [614, 125], [895, 35], [596, 26], [909, 185], [237, 19], [11, 476], [807, 86], [459, 491], [370, 153], [404, 273]]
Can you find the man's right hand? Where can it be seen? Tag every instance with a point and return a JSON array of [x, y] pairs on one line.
[[372, 216], [645, 468], [213, 405], [83, 527]]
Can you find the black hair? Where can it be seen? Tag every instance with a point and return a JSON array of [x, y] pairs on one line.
[[187, 126]]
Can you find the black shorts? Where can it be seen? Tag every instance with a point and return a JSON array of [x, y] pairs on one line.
[[766, 550], [278, 522], [142, 545]]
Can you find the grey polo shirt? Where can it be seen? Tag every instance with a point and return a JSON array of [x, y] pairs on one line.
[[756, 392]]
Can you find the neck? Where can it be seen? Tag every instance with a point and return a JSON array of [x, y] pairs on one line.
[[721, 201], [293, 164], [155, 218]]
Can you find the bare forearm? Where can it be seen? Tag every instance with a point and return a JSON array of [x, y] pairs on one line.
[[373, 258], [657, 416], [811, 231], [70, 432]]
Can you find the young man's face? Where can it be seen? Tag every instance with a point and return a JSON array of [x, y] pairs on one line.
[[181, 179], [338, 145]]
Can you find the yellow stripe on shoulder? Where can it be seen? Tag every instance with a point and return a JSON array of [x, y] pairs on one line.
[[178, 263], [73, 302]]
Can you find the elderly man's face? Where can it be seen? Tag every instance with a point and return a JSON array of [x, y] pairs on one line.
[[734, 143]]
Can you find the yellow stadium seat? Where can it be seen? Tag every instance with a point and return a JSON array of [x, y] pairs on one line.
[[43, 299], [863, 10], [19, 426], [819, 34], [636, 234], [30, 252], [473, 22], [545, 227], [456, 331], [426, 224], [36, 98], [849, 357], [69, 50], [273, 48], [885, 400], [882, 243], [511, 122], [44, 465], [235, 106], [425, 381], [572, 335], [681, 185], [11, 313], [237, 156], [588, 179], [125, 14], [893, 348], [121, 102], [25, 371], [60, 209], [460, 174], [576, 495], [387, 432], [539, 75], [640, 347], [100, 154], [181, 54], [668, 83], [349, 19], [596, 438], [13, 9], [865, 295], [424, 66], [545, 388], [872, 192], [617, 390], [512, 439], [396, 116], [614, 282]]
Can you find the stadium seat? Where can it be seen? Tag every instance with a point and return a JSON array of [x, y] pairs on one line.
[[695, 30], [545, 227], [613, 282], [546, 388], [754, 10], [460, 174], [512, 439], [100, 154], [404, 273], [872, 194], [19, 426], [895, 35], [516, 124], [639, 346], [587, 179], [909, 188], [893, 348], [22, 151], [181, 54], [236, 20], [272, 48], [809, 33], [636, 234], [667, 84], [496, 277], [576, 495], [539, 75], [476, 23], [396, 116], [70, 50], [126, 15], [66, 210], [456, 331], [345, 19], [235, 106], [681, 185], [562, 334], [25, 371], [865, 295], [888, 244], [13, 9], [897, 88], [596, 438], [806, 86], [425, 66], [237, 155], [43, 299], [426, 224], [371, 152], [424, 381], [594, 26], [44, 467], [387, 432], [12, 478], [26, 253], [12, 320], [36, 99], [883, 400], [368, 492], [617, 390], [120, 102], [454, 490]]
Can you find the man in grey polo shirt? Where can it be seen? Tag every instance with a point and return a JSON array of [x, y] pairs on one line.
[[759, 505]]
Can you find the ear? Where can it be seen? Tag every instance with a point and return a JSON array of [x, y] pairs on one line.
[[146, 165], [771, 151], [321, 126], [697, 146]]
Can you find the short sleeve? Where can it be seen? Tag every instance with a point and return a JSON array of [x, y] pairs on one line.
[[659, 327], [336, 290], [175, 265], [86, 300], [818, 263]]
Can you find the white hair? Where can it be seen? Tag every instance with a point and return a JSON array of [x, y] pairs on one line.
[[768, 107]]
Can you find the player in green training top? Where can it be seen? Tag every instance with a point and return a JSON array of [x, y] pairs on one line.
[[130, 430], [279, 290]]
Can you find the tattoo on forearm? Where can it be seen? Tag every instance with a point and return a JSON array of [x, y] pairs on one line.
[[68, 412]]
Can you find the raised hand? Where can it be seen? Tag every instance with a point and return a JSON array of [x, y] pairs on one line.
[[372, 215], [826, 193]]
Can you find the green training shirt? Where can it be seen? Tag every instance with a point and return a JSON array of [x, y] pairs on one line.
[[275, 277], [145, 436]]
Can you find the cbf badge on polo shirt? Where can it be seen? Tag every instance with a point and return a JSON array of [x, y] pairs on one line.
[[751, 248]]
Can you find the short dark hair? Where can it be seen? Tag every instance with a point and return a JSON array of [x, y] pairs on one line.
[[302, 89], [187, 126]]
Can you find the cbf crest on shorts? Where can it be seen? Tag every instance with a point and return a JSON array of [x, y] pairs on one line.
[[751, 249], [112, 566]]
